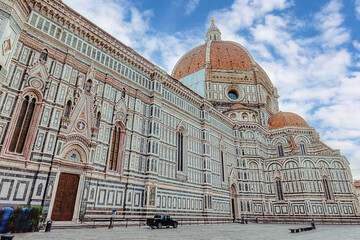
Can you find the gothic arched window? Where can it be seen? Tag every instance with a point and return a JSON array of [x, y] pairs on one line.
[[39, 189], [115, 148], [152, 197], [88, 85], [180, 151], [327, 189], [302, 148], [279, 190], [92, 193], [222, 166], [44, 55], [280, 150], [22, 125], [68, 108], [98, 119]]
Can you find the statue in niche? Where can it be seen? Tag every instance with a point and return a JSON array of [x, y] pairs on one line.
[[77, 95], [96, 106], [44, 56]]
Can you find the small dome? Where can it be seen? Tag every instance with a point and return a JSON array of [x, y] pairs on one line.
[[237, 106], [286, 119]]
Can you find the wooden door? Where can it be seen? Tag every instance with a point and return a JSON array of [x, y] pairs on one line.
[[65, 197]]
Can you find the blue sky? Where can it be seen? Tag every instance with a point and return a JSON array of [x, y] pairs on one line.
[[309, 48]]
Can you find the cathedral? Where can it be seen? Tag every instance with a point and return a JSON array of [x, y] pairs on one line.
[[88, 126]]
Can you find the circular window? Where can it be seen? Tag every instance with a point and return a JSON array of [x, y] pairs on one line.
[[81, 125], [233, 94]]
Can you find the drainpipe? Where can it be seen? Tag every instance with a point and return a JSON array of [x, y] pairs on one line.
[[51, 164]]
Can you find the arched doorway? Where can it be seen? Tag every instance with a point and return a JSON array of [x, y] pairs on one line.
[[65, 197], [233, 202], [69, 184]]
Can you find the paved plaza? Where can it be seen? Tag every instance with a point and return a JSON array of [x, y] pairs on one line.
[[208, 232]]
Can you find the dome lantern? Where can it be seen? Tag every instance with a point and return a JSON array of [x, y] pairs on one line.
[[213, 33]]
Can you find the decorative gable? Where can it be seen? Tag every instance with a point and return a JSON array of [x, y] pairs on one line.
[[181, 127], [121, 111], [81, 119], [38, 77]]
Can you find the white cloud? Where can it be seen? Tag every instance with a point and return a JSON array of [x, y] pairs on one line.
[[191, 6], [356, 44], [242, 13], [328, 21], [357, 8], [119, 18]]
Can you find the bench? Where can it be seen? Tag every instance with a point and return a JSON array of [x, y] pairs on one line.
[[296, 230], [293, 230]]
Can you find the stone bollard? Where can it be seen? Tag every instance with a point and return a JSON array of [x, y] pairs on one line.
[[313, 224], [7, 236], [48, 226], [111, 225]]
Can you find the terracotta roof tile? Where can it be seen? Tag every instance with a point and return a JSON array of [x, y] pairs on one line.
[[237, 106], [223, 55], [191, 62], [285, 119], [228, 55]]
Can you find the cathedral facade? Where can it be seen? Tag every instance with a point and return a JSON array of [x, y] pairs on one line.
[[87, 126]]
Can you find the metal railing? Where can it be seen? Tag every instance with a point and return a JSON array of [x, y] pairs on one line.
[[306, 220], [111, 222]]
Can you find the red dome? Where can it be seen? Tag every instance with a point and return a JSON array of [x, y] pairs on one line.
[[223, 55], [230, 56], [286, 119]]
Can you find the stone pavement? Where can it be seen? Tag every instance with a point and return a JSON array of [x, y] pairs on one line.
[[209, 232]]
